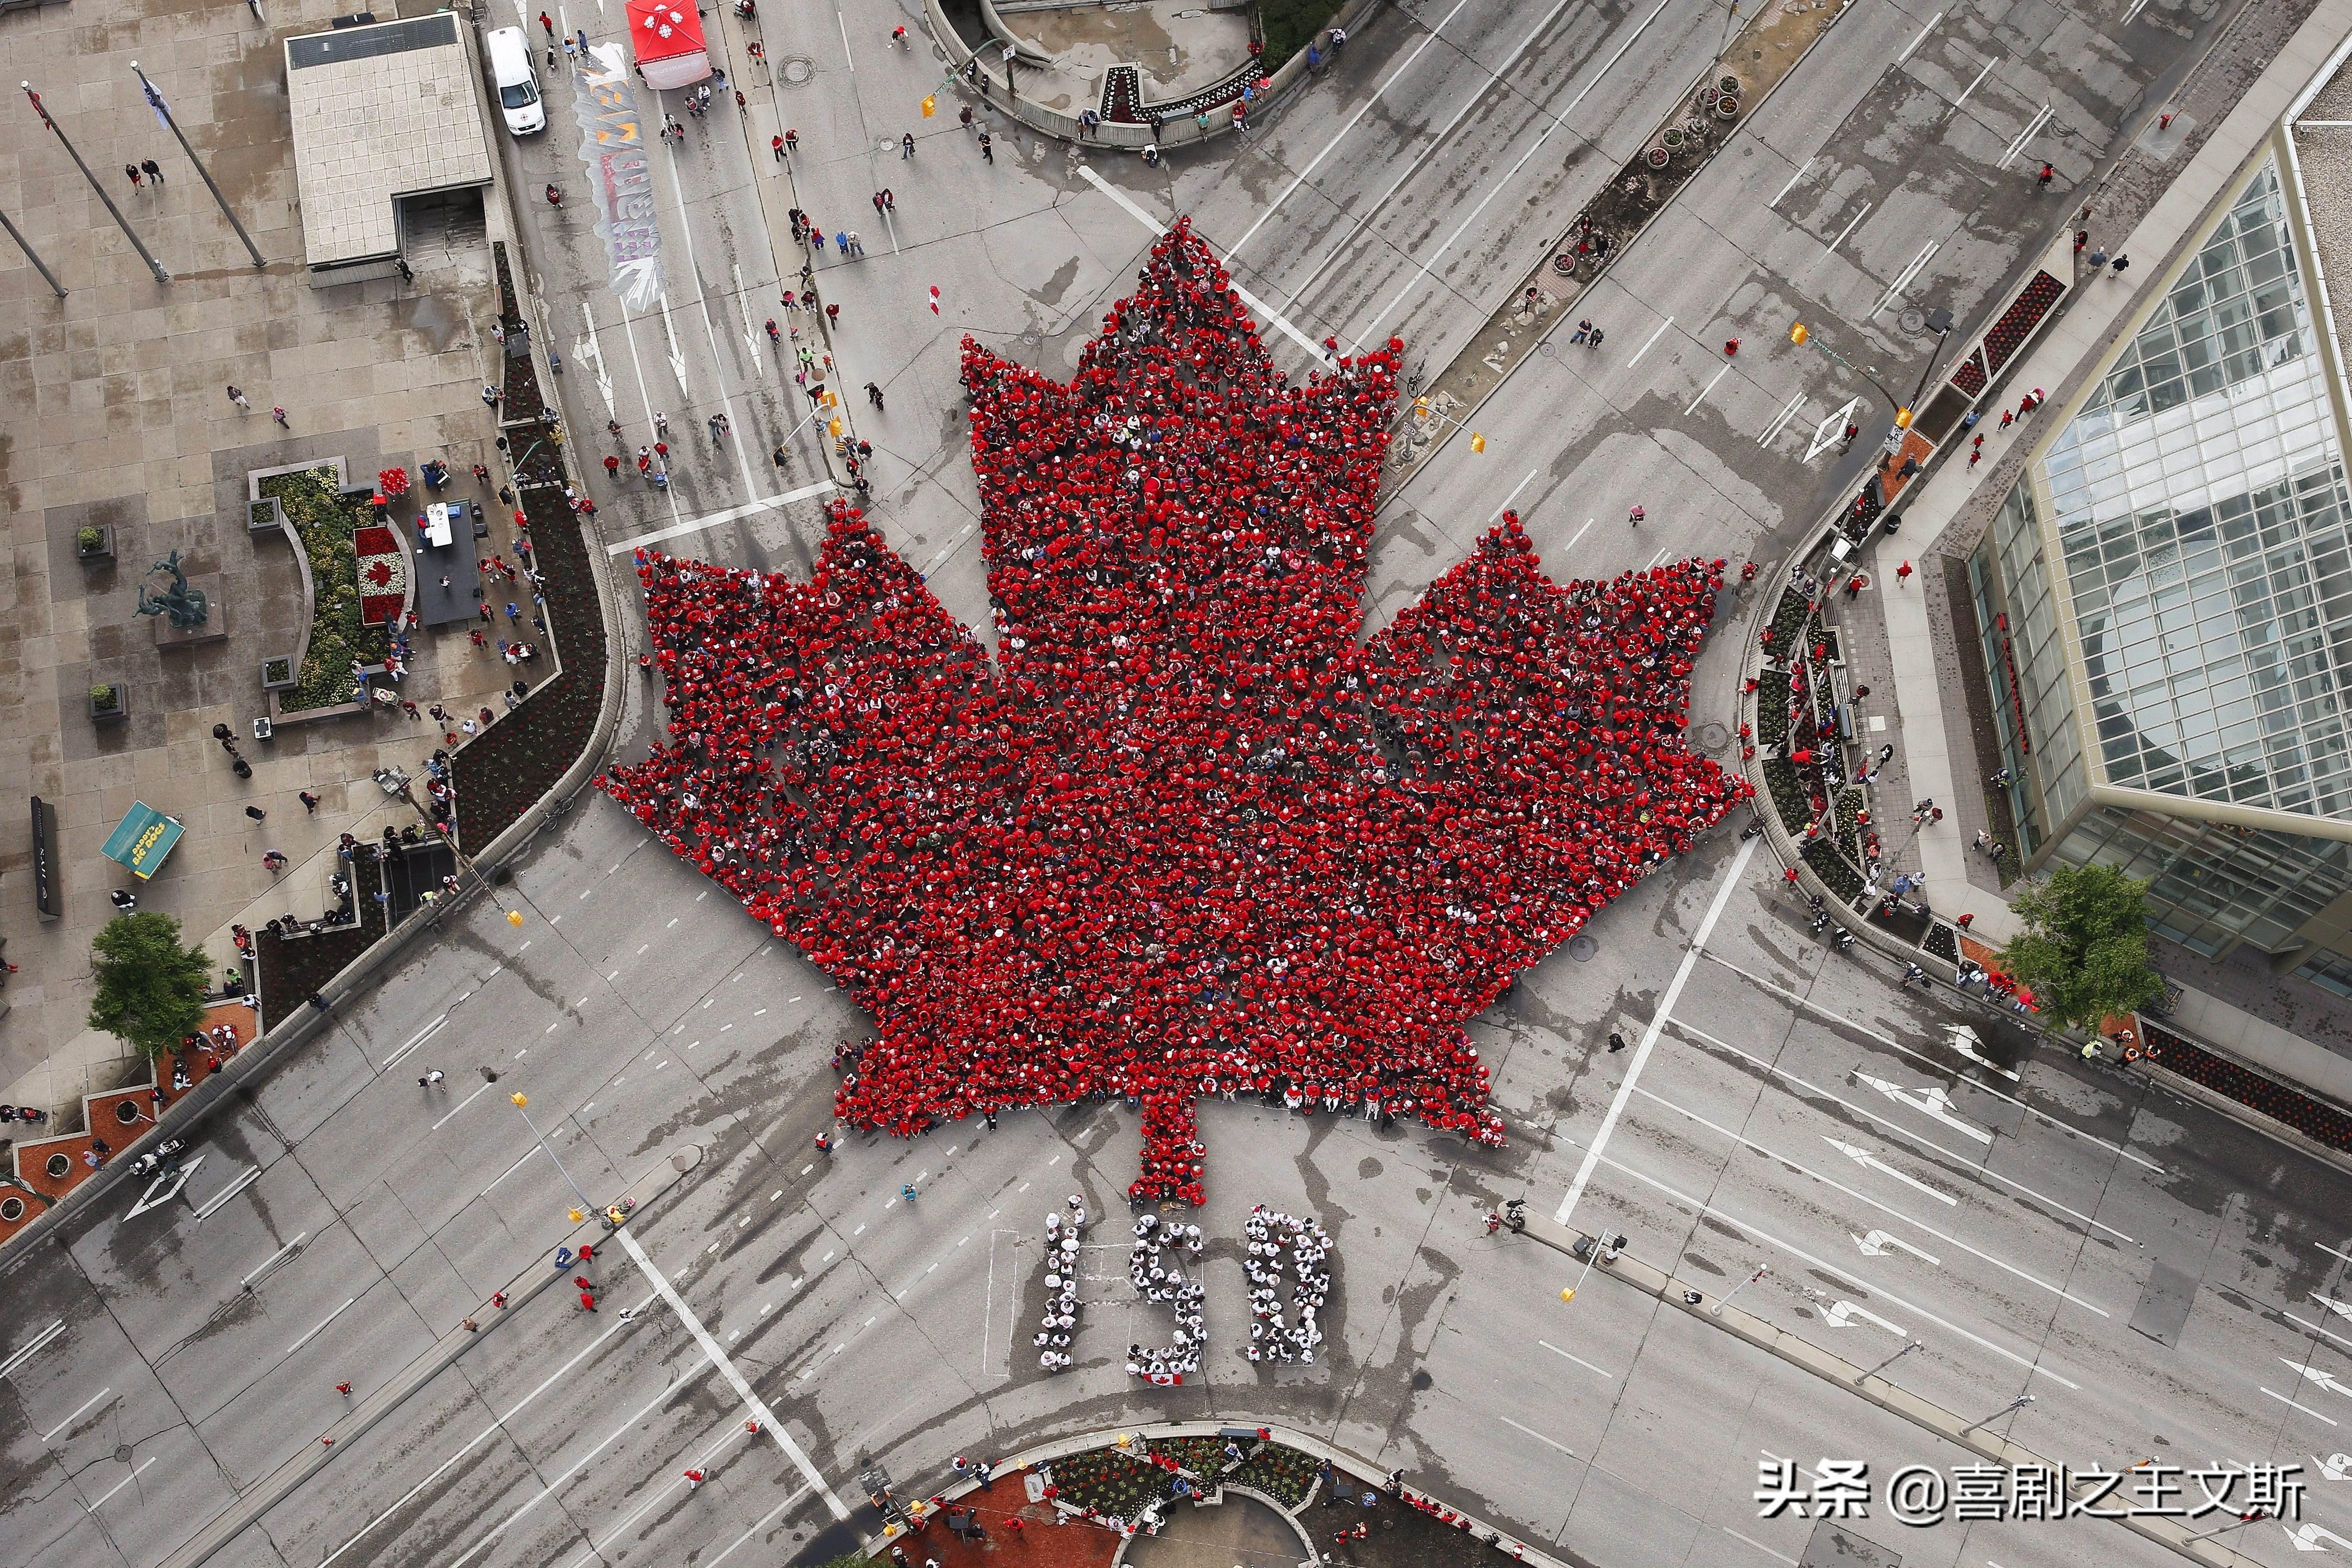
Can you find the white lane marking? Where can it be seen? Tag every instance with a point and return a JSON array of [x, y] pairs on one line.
[[1932, 1102], [1870, 1162], [1842, 1315], [214, 1202], [1846, 230], [1909, 49], [595, 1553], [1700, 1206], [1780, 1556], [1875, 1244], [1892, 1044], [1648, 341], [717, 519], [1799, 175], [1578, 1360], [95, 1401], [573, 1468], [511, 1170], [460, 1106], [1977, 82], [1864, 1157], [1362, 216], [414, 1040], [743, 1390], [262, 1267], [1420, 269], [1263, 311], [1515, 492], [1902, 280], [933, 564], [22, 1356], [1315, 162], [2136, 7], [1781, 420], [1707, 388], [844, 20], [1577, 535], [315, 1333], [125, 1481], [1650, 1036], [2306, 1410], [2323, 1246], [2031, 126], [764, 1520], [1536, 1436], [1897, 1127]]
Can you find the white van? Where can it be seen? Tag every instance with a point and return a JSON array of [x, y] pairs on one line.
[[517, 84]]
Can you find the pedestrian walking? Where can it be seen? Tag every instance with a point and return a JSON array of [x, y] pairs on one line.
[[776, 146], [1584, 331], [874, 395], [906, 144], [2119, 263], [780, 457], [137, 183], [239, 398], [2042, 179], [309, 802], [1965, 921], [833, 315], [1903, 574], [272, 861], [124, 899], [154, 170], [489, 396], [964, 118], [1595, 341], [432, 1078], [1616, 1042], [1633, 518], [987, 149], [548, 22], [792, 140], [693, 1480], [255, 813]]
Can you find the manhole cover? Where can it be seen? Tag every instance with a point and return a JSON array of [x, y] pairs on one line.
[[795, 70], [122, 1453], [1711, 737], [1581, 948], [1912, 322], [1031, 339]]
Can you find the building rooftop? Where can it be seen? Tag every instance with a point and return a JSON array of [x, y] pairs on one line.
[[380, 112]]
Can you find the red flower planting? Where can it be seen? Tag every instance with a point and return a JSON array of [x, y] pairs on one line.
[[1183, 835]]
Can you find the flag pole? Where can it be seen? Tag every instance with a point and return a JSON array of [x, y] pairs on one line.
[[120, 221], [163, 113]]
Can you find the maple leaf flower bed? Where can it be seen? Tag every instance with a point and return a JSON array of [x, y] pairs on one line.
[[1282, 1473], [1111, 1483], [1182, 837], [326, 521]]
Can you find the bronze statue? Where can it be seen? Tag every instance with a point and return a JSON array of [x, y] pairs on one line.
[[185, 606]]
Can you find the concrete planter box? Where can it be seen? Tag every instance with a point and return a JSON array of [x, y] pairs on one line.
[[102, 551], [279, 674], [266, 516], [118, 705]]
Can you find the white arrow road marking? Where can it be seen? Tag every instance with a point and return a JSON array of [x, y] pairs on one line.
[[638, 282], [750, 333], [1930, 1101], [1875, 1244], [588, 349], [2336, 1467], [164, 1188], [1843, 1313], [2321, 1376], [2335, 1306], [1868, 1160], [2307, 1537], [1965, 1041], [676, 359]]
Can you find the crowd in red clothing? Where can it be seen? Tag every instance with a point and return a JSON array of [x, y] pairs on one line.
[[1182, 836]]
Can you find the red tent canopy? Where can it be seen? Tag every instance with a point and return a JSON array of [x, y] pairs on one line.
[[666, 36]]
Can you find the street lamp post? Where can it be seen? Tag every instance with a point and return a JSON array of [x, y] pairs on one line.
[[163, 113], [522, 1106], [120, 222], [32, 256], [1800, 334], [2020, 1402], [1908, 1347], [1761, 1270]]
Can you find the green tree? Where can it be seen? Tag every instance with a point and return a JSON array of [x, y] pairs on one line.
[[2083, 948], [151, 984]]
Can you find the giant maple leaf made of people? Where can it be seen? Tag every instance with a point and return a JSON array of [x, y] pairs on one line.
[[1182, 836]]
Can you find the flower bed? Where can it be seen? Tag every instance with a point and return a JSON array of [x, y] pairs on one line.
[[1789, 795], [1944, 942], [290, 968], [1407, 1533], [500, 773], [1285, 1475], [325, 522], [519, 392], [1110, 1483], [1204, 1456], [1771, 711], [2016, 323], [2314, 1119], [1788, 617], [1841, 880]]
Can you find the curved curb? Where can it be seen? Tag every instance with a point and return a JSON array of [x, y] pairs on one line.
[[1363, 1470], [1307, 1542]]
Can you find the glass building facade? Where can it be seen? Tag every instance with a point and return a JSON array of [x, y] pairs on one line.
[[2192, 523]]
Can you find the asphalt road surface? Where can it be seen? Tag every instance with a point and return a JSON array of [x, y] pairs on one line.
[[2162, 1282]]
